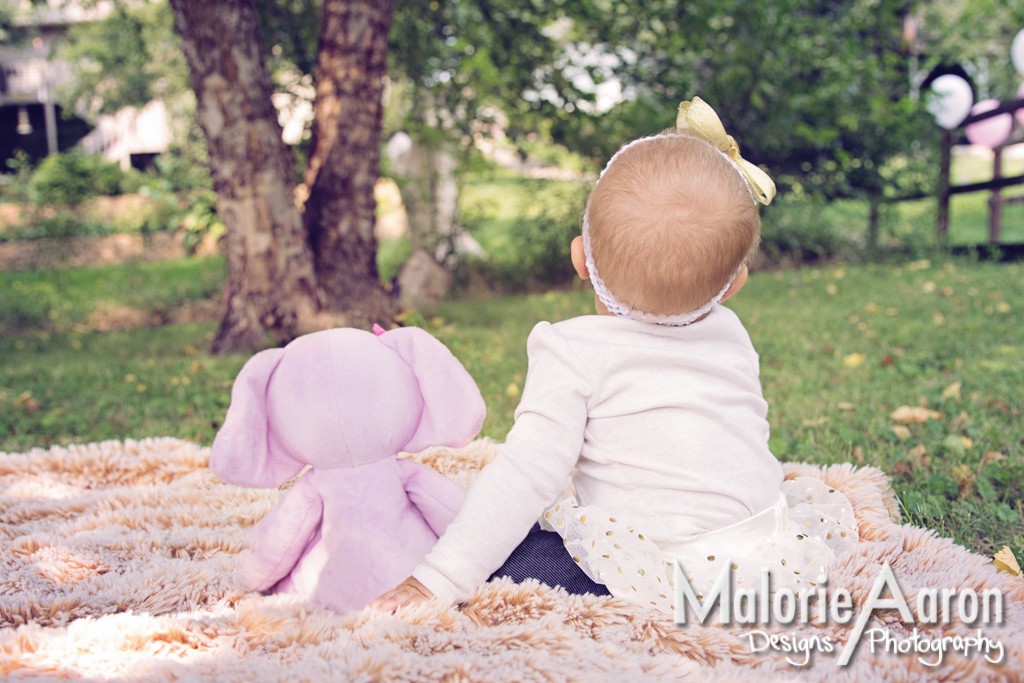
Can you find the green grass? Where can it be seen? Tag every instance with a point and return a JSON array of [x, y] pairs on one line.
[[969, 213], [113, 385], [920, 329], [56, 300]]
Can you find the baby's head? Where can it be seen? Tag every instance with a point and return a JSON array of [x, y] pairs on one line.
[[669, 224]]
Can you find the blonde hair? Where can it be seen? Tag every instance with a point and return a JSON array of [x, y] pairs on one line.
[[670, 223]]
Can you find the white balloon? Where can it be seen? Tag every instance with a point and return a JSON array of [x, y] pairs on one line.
[[1017, 51], [951, 100]]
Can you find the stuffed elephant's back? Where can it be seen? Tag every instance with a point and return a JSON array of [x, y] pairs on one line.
[[371, 537]]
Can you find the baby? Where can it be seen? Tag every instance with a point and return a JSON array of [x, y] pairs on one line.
[[655, 401]]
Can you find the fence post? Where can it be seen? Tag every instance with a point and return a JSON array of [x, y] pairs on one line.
[[995, 202], [944, 164]]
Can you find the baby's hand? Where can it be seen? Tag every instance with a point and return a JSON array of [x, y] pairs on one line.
[[409, 592]]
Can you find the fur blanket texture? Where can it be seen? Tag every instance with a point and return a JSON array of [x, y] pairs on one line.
[[116, 563]]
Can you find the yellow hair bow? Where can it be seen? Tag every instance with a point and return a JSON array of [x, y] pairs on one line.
[[699, 117]]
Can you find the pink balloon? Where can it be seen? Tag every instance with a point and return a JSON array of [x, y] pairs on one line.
[[990, 132]]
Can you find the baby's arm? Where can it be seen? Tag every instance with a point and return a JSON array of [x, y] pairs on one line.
[[526, 476]]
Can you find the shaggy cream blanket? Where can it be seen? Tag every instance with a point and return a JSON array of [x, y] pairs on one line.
[[116, 563]]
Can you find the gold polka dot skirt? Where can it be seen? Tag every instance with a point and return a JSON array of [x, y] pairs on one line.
[[797, 540]]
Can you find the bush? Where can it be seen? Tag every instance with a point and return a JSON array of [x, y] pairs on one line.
[[17, 186], [66, 180], [58, 225], [798, 231], [199, 220], [537, 248]]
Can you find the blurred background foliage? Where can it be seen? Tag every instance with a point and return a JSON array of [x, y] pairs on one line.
[[825, 95]]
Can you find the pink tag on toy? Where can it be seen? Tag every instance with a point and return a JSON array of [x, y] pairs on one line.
[[378, 330]]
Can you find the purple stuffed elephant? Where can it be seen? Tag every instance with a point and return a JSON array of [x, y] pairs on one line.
[[345, 402]]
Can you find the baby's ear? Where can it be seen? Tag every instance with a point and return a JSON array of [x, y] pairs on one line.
[[737, 283], [453, 409], [242, 453], [579, 257]]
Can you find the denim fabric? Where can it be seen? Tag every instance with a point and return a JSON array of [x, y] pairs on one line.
[[542, 556]]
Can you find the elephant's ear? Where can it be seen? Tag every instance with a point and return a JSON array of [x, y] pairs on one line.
[[453, 409], [242, 452]]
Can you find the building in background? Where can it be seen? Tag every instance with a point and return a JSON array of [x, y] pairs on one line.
[[31, 118]]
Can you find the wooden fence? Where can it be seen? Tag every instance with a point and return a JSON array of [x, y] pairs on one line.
[[998, 182]]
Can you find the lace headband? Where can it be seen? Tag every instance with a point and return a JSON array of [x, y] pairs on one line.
[[698, 117]]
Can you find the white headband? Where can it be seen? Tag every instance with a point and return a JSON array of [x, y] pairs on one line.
[[612, 302]]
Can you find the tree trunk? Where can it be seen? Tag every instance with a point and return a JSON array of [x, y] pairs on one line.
[[344, 159], [271, 283]]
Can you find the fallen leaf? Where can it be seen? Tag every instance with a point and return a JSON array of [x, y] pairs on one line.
[[938, 318], [885, 361], [22, 398], [968, 443], [831, 288], [952, 391], [1003, 307], [858, 454], [993, 456], [31, 406], [996, 403], [872, 307], [954, 443], [1006, 562], [962, 473], [901, 467], [907, 414], [847, 406], [918, 454], [902, 433], [928, 287], [965, 479], [854, 360], [512, 390], [816, 422]]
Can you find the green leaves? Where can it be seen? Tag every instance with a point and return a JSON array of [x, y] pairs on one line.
[[818, 93], [127, 59]]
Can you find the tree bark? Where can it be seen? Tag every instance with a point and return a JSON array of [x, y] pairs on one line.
[[271, 283], [344, 159]]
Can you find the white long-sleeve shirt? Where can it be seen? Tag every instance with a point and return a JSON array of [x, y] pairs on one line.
[[667, 427]]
